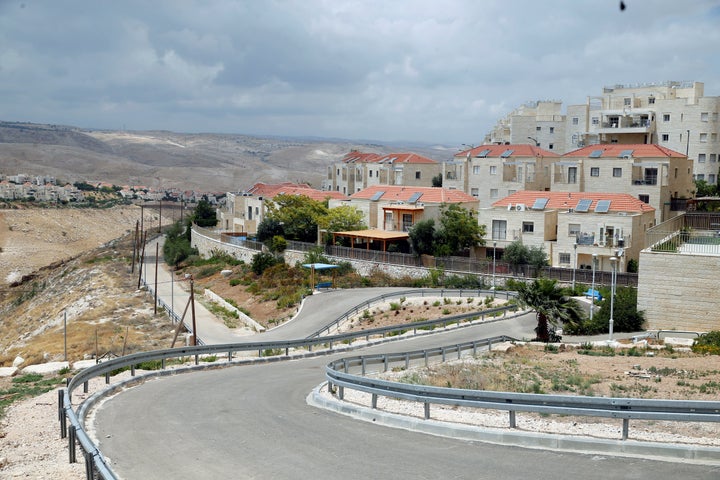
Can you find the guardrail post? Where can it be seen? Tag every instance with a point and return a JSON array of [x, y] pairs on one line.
[[162, 364], [229, 355], [89, 466], [85, 387], [443, 353], [107, 378], [407, 361], [626, 428], [426, 358], [61, 413], [385, 361], [71, 444], [458, 350], [330, 344], [474, 344], [362, 371], [132, 370], [512, 418], [197, 359], [427, 410], [345, 365], [341, 392], [374, 401]]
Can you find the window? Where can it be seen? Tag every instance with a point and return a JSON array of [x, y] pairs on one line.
[[651, 100], [249, 213], [665, 137], [626, 102], [474, 192], [595, 171], [704, 117], [493, 170], [573, 229], [565, 259], [537, 129], [406, 221], [551, 146], [617, 172], [257, 211], [700, 176], [528, 227], [370, 173], [575, 120], [510, 192], [493, 193], [417, 175], [572, 174], [666, 117], [596, 120], [552, 129], [703, 137], [476, 169], [644, 198], [701, 158], [499, 229], [711, 178], [713, 157], [713, 137], [715, 117]]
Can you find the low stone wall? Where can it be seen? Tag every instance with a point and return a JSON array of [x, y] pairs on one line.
[[249, 322], [677, 291], [207, 245]]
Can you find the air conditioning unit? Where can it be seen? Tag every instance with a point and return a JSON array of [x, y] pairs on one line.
[[510, 206], [520, 207]]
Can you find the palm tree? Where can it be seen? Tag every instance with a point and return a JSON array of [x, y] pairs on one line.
[[550, 305]]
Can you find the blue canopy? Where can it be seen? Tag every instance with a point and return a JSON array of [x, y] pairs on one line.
[[319, 266], [593, 293]]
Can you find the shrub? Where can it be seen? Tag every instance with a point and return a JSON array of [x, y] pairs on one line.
[[261, 261], [708, 343]]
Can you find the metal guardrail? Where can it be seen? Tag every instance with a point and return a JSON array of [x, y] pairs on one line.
[[338, 374], [95, 462], [421, 292]]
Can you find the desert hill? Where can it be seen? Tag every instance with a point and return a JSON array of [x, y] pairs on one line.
[[199, 161]]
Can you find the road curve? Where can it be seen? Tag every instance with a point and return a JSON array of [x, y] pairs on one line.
[[253, 422]]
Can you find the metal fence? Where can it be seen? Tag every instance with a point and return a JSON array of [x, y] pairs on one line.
[[338, 375]]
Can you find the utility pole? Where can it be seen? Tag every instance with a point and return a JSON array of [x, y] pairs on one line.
[[157, 256], [192, 310], [135, 245]]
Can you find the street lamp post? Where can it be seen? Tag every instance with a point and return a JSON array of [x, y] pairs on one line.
[[613, 279], [493, 282], [574, 266], [592, 291], [537, 144]]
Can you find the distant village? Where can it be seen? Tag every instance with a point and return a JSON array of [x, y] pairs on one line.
[[38, 188]]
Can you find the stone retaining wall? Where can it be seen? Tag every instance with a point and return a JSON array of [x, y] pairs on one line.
[[677, 291]]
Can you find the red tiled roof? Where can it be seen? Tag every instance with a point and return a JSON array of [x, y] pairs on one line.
[[404, 158], [519, 150], [360, 157], [613, 150], [288, 188], [398, 193], [619, 202]]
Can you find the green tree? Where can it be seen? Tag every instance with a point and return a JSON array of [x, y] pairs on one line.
[[422, 237], [177, 245], [269, 228], [204, 215], [299, 216], [537, 258], [516, 254], [262, 261], [343, 218], [705, 189], [459, 229], [551, 306], [437, 180], [626, 317]]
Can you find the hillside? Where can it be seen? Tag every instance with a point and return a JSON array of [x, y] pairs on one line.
[[205, 161]]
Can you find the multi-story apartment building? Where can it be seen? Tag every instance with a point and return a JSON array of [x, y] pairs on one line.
[[244, 211], [572, 227], [540, 123], [491, 172], [656, 175], [359, 170], [675, 115]]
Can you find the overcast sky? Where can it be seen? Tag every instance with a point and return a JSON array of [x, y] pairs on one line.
[[417, 70]]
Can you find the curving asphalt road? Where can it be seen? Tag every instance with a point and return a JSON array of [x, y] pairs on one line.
[[253, 422]]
